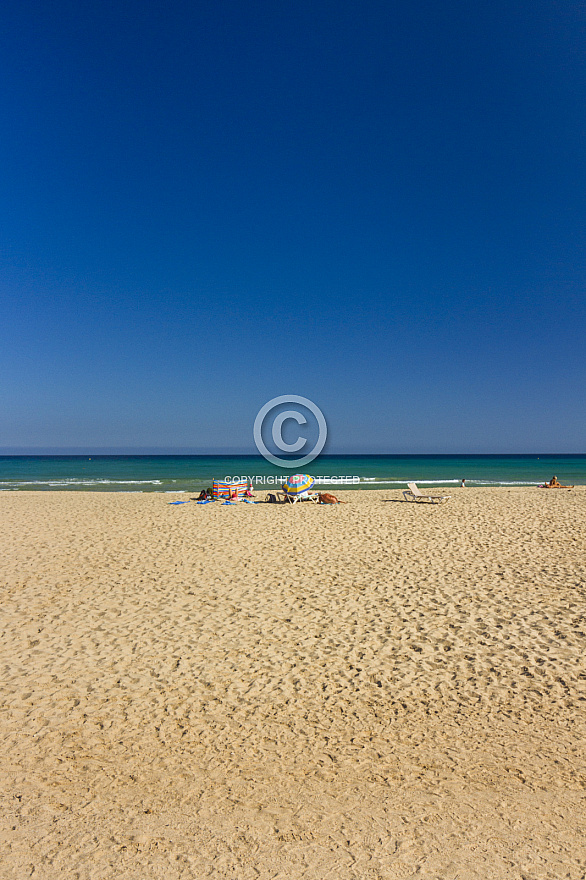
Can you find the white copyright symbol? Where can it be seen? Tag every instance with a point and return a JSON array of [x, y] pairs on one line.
[[277, 431]]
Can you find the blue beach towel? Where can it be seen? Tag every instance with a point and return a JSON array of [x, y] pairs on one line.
[[178, 502]]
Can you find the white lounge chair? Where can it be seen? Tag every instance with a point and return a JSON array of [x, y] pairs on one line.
[[414, 494], [303, 496]]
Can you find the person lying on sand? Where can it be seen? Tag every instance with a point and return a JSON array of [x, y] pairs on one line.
[[555, 484], [326, 498]]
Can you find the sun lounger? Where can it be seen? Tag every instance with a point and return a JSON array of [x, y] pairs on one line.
[[283, 498], [414, 494], [303, 496]]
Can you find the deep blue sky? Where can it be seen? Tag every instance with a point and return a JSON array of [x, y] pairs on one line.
[[376, 205]]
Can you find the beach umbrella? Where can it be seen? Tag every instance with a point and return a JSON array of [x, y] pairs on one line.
[[297, 484]]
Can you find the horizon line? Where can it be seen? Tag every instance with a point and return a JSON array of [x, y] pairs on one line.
[[221, 451]]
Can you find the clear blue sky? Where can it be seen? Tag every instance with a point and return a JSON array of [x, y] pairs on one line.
[[376, 205]]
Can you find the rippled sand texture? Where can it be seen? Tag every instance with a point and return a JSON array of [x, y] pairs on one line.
[[374, 690]]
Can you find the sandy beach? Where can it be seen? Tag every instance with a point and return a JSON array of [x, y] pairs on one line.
[[371, 691]]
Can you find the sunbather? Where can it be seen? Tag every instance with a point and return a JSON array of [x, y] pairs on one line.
[[555, 484]]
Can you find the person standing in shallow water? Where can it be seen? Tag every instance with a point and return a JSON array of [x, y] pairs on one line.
[[463, 483]]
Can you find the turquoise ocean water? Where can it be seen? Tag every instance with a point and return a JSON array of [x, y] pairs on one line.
[[190, 473]]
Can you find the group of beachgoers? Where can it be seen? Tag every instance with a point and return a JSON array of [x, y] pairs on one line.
[[248, 495]]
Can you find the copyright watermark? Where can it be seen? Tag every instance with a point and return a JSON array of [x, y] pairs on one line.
[[279, 421]]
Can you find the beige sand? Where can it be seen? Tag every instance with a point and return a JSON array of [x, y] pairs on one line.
[[374, 690]]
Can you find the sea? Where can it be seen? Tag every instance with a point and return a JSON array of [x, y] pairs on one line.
[[191, 473]]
